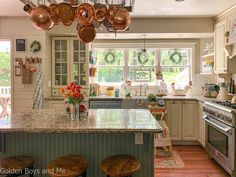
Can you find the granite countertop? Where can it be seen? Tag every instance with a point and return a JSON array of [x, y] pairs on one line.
[[102, 120], [168, 97]]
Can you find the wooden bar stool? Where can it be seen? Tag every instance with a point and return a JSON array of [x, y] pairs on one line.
[[16, 166], [68, 166], [120, 166]]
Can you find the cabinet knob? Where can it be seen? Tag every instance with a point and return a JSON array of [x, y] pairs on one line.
[[173, 102]]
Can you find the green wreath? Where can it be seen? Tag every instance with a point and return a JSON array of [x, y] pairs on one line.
[[176, 57], [35, 46], [110, 58], [140, 57]]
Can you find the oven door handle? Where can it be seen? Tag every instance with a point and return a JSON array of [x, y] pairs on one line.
[[227, 129]]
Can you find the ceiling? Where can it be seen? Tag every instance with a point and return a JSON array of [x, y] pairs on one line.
[[148, 8]]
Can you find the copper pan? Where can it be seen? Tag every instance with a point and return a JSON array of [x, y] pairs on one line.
[[121, 20], [41, 17], [100, 12], [111, 12], [53, 8], [86, 33], [85, 14], [65, 12]]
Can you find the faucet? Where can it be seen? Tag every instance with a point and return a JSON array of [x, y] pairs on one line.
[[145, 89]]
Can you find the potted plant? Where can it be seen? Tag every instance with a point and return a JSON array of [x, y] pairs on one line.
[[227, 36], [152, 99]]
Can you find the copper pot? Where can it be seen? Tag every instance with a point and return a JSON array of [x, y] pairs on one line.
[[100, 12], [111, 12], [53, 8], [65, 13], [121, 20], [41, 17], [86, 33], [85, 14]]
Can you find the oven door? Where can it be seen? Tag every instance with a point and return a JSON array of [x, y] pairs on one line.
[[220, 143]]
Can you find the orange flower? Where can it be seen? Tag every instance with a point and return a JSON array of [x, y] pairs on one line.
[[65, 96], [62, 90], [70, 93]]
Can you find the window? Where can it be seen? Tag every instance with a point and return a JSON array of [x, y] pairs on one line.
[[118, 65], [110, 64], [176, 65], [142, 71]]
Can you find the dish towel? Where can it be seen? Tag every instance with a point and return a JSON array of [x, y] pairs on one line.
[[38, 91]]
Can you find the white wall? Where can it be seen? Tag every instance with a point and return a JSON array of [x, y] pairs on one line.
[[13, 28], [21, 27]]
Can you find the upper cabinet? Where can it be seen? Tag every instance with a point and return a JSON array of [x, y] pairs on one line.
[[220, 62], [224, 62], [69, 63]]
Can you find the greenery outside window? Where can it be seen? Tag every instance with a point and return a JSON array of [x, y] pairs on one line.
[[118, 65], [176, 65], [110, 65]]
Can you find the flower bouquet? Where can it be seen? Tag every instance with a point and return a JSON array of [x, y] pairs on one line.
[[73, 97]]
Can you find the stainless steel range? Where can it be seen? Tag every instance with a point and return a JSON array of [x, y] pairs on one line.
[[220, 133]]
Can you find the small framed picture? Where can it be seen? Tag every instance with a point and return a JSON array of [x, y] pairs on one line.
[[20, 45], [17, 70]]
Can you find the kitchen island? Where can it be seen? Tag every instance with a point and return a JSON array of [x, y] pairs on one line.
[[47, 134]]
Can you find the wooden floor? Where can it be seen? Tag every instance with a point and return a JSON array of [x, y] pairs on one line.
[[197, 164]]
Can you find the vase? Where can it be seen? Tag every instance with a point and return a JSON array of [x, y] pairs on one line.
[[75, 112]]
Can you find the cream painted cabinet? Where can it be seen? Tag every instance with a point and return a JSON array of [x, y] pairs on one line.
[[182, 119], [220, 57], [189, 116], [174, 120], [201, 123], [69, 63]]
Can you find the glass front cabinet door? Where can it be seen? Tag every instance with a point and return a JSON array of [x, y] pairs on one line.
[[69, 63]]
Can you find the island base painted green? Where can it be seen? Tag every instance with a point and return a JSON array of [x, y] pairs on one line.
[[94, 146]]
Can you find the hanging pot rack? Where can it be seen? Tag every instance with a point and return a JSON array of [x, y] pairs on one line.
[[90, 14]]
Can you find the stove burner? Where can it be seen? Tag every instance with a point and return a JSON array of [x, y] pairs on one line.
[[226, 103]]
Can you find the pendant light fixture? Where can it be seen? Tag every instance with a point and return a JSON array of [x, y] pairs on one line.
[[143, 55]]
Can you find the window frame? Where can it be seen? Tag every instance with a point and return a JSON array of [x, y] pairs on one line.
[[158, 47]]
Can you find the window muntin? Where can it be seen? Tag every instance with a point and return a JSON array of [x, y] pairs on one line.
[[176, 71], [110, 71], [127, 66]]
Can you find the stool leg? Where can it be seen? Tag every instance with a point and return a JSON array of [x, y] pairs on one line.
[[84, 174]]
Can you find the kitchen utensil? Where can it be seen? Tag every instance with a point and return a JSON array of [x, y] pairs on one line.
[[121, 20], [40, 16], [86, 33], [65, 13], [223, 94], [85, 14], [52, 8], [100, 12]]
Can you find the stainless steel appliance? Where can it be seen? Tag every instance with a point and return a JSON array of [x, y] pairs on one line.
[[220, 133]]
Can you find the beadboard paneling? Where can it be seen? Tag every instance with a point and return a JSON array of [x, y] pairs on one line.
[[94, 146]]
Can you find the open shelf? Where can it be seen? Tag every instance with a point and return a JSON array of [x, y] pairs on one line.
[[208, 55], [206, 73], [230, 50]]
